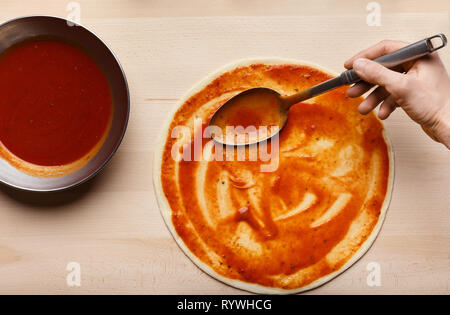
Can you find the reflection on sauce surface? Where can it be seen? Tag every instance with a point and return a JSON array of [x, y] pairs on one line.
[[259, 108], [290, 227], [55, 103]]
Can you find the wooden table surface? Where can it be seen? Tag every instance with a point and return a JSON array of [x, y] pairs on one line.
[[112, 226]]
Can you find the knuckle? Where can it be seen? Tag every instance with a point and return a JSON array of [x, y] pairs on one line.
[[401, 86], [389, 46], [378, 74], [401, 43], [386, 44], [407, 83]]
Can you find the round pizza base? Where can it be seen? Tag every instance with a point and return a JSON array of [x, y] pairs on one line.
[[166, 211]]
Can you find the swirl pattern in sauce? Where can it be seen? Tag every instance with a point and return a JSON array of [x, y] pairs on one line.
[[288, 228]]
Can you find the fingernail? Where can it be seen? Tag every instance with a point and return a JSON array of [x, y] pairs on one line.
[[359, 64], [362, 108]]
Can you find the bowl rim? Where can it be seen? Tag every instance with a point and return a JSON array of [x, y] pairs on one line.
[[124, 129]]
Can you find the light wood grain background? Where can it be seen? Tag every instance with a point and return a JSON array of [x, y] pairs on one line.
[[112, 225]]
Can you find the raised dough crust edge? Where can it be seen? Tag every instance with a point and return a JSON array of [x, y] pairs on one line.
[[166, 211]]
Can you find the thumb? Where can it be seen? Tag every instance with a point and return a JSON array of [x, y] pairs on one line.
[[373, 72]]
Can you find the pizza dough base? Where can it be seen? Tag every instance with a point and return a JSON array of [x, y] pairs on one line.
[[166, 211]]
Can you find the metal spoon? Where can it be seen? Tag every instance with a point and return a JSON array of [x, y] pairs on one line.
[[278, 105]]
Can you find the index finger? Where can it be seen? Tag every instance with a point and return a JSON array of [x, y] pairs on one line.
[[380, 49]]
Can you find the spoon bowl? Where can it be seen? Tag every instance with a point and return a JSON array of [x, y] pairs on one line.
[[249, 117]]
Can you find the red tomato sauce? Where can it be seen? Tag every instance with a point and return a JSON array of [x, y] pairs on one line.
[[55, 102], [216, 205]]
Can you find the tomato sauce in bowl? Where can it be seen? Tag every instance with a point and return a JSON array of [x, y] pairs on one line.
[[55, 104]]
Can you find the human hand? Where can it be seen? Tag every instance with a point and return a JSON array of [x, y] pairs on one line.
[[421, 87]]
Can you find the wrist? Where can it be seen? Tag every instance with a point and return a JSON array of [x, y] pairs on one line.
[[442, 126]]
